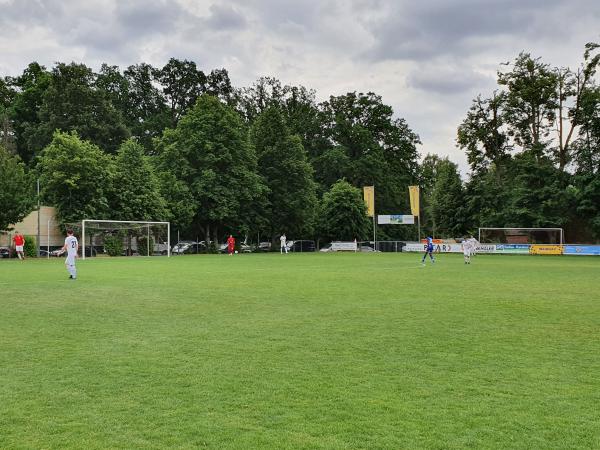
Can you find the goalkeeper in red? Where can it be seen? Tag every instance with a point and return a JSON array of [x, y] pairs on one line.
[[230, 244]]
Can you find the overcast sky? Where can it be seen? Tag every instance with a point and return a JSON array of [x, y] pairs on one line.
[[426, 58]]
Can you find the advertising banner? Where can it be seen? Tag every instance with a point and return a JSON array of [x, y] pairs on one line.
[[413, 191], [522, 249], [414, 247], [437, 248], [581, 250], [537, 249], [369, 196], [396, 219], [343, 246], [485, 248]]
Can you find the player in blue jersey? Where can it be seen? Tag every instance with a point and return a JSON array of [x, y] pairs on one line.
[[428, 251]]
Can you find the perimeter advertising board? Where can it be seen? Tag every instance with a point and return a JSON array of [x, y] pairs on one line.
[[581, 250], [537, 249], [516, 249]]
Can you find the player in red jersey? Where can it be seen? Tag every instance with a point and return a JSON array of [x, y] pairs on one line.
[[19, 241], [230, 244]]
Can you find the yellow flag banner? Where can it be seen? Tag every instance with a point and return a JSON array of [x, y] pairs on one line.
[[369, 196], [414, 200]]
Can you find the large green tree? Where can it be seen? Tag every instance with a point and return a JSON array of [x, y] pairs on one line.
[[374, 148], [72, 102], [16, 199], [283, 163], [446, 203], [76, 177], [145, 110], [24, 111], [209, 156], [182, 83], [343, 214], [136, 190], [7, 134]]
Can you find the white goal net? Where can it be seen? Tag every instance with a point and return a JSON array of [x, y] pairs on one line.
[[548, 236], [124, 238]]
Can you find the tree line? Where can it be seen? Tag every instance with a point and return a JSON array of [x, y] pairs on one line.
[[178, 144]]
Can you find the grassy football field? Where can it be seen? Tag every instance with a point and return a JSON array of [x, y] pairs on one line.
[[338, 351]]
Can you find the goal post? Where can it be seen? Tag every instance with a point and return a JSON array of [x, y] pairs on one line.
[[146, 231], [516, 235]]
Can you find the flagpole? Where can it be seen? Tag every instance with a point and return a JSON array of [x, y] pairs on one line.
[[374, 222]]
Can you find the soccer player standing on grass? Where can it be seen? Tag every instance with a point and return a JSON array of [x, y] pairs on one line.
[[19, 241], [71, 247], [467, 247], [283, 240], [428, 251], [230, 244]]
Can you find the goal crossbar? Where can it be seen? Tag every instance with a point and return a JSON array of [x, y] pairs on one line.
[[140, 222]]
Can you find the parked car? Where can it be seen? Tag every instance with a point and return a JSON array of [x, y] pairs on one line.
[[4, 252], [264, 247], [188, 247], [180, 247], [301, 246]]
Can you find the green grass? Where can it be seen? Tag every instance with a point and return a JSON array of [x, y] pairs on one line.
[[301, 351]]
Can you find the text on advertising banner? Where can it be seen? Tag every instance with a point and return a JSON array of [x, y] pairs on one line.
[[537, 249]]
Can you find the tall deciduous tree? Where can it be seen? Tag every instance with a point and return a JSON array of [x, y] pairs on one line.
[[145, 111], [7, 134], [72, 102], [283, 164], [447, 201], [136, 189], [76, 178], [31, 87], [482, 134], [209, 153], [16, 199], [182, 83], [379, 149], [531, 102], [343, 214]]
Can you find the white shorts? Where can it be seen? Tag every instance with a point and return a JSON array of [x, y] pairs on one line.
[[19, 248], [70, 261], [467, 252]]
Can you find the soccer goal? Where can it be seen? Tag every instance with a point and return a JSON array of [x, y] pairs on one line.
[[548, 236], [122, 237]]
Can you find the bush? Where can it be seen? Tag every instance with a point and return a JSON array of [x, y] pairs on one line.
[[142, 245], [113, 245], [30, 247]]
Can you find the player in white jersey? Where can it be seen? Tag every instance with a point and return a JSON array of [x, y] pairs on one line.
[[71, 247], [283, 241], [474, 243], [467, 246]]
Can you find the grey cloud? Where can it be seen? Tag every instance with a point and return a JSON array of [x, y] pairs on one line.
[[419, 31], [148, 17], [224, 17], [438, 79]]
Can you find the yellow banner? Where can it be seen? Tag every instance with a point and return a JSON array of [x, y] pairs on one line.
[[414, 200], [545, 249], [369, 196]]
